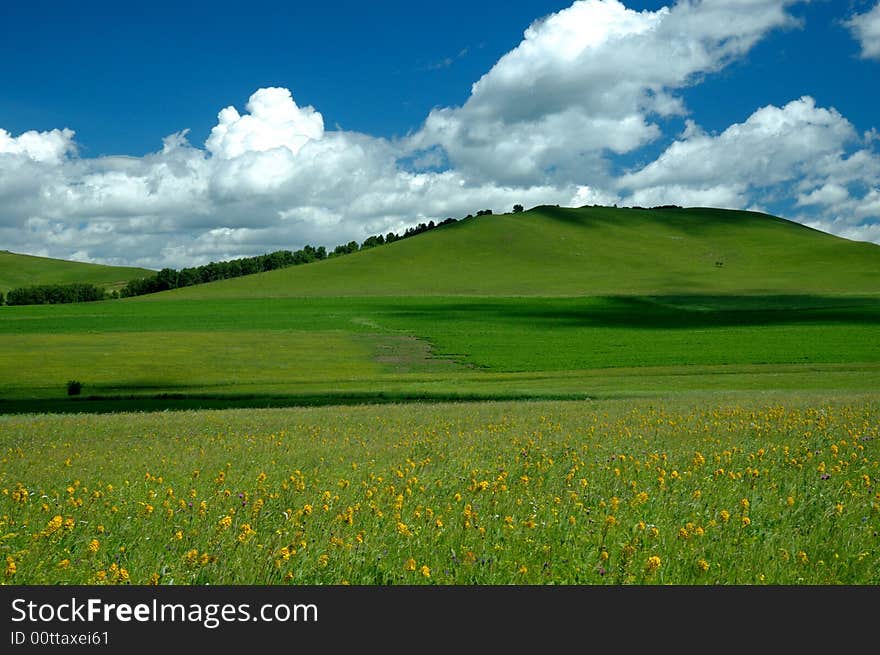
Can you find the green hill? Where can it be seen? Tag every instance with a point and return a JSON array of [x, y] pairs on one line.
[[26, 270], [591, 302], [552, 251]]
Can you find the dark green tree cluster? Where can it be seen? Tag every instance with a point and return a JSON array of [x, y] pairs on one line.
[[422, 227], [345, 249], [54, 294], [169, 278], [391, 237]]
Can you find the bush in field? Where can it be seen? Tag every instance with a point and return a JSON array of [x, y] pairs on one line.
[[74, 388]]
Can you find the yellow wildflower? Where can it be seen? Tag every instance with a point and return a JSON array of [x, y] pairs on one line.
[[20, 494], [652, 564], [53, 525], [246, 532]]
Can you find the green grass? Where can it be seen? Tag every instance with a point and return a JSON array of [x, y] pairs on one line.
[[550, 303], [26, 270], [284, 349], [717, 489], [556, 397]]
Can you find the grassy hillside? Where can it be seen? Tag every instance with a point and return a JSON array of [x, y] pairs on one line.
[[26, 270], [551, 251], [551, 303]]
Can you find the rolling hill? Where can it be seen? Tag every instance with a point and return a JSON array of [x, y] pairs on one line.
[[27, 270], [549, 303], [587, 251]]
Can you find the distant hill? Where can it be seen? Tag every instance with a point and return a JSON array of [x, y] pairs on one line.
[[26, 270], [553, 251]]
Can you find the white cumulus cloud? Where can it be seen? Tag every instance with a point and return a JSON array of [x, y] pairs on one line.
[[588, 80], [865, 28], [45, 147], [273, 121], [773, 145]]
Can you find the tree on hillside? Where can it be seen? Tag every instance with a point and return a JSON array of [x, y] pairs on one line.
[[517, 209], [167, 278], [372, 242]]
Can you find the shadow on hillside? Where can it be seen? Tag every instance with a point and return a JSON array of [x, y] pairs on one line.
[[694, 220], [672, 312]]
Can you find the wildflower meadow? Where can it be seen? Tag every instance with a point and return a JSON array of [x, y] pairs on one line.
[[764, 490]]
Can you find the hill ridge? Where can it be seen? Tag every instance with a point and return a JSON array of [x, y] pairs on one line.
[[588, 250]]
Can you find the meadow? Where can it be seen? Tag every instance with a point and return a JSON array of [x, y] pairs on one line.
[[682, 397], [720, 489], [290, 350]]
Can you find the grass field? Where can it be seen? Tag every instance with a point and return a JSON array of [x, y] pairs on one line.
[[715, 490], [676, 396], [18, 270], [438, 347]]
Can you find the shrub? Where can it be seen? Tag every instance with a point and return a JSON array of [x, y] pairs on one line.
[[74, 388]]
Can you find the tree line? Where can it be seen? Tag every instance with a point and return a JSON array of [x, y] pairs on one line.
[[170, 278], [52, 294]]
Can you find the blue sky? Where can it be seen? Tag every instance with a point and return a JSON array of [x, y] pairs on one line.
[[364, 117]]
